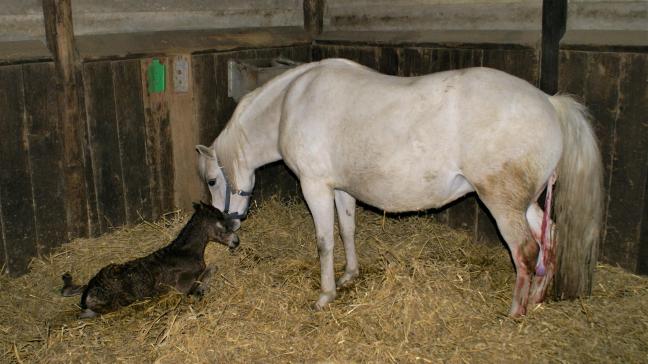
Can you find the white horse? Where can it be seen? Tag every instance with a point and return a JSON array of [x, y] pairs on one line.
[[403, 144]]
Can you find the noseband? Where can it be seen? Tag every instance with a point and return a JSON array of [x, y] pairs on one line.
[[228, 194]]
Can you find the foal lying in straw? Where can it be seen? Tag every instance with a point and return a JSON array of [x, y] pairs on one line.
[[180, 265]]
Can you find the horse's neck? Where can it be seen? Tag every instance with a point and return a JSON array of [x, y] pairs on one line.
[[251, 138]]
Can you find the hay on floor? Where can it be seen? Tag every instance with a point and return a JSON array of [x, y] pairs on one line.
[[426, 294]]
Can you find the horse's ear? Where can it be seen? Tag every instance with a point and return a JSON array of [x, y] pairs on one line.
[[206, 152]]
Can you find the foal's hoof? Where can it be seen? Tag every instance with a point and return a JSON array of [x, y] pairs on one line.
[[324, 299], [87, 313]]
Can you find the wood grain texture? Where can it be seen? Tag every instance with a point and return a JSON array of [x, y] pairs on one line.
[[629, 170], [185, 133], [104, 145], [131, 128], [17, 216], [159, 149], [59, 33], [46, 153]]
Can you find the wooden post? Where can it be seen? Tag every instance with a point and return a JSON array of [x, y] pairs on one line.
[[313, 16], [554, 23], [59, 34]]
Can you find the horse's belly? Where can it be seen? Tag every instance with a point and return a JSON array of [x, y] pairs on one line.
[[394, 195]]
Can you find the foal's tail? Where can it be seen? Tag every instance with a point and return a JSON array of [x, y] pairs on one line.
[[579, 200]]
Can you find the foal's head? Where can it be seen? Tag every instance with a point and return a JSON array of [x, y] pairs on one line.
[[215, 224]]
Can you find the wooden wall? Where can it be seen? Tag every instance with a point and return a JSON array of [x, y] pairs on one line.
[[139, 156], [614, 86], [138, 148]]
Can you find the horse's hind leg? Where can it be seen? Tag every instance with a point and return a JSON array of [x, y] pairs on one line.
[[547, 258], [319, 198], [513, 226], [345, 205]]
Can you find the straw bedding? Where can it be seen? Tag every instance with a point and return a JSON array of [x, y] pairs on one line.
[[426, 294]]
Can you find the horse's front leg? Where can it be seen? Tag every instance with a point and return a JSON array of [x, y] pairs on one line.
[[345, 206], [319, 198]]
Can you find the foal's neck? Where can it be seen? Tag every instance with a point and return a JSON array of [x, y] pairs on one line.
[[192, 238]]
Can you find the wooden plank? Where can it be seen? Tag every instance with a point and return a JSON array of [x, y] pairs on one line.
[[412, 62], [59, 33], [104, 145], [129, 113], [185, 131], [159, 148], [18, 216], [388, 61], [313, 16], [554, 23], [368, 56], [45, 154], [522, 63], [642, 257], [630, 161], [205, 91], [601, 94]]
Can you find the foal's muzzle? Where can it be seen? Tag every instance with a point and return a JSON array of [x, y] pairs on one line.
[[234, 242]]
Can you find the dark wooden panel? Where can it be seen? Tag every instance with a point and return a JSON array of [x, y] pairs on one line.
[[630, 161], [368, 56], [206, 93], [388, 61], [522, 63], [46, 155], [129, 110], [104, 144], [159, 151], [17, 210], [642, 257], [600, 93], [412, 62]]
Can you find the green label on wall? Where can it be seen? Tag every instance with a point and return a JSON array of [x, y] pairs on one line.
[[156, 76]]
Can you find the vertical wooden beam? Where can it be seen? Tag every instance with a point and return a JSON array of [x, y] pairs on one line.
[[314, 16], [59, 33], [554, 23]]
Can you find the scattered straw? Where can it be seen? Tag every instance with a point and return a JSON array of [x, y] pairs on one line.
[[426, 294]]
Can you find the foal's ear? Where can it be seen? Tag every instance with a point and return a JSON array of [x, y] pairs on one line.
[[206, 152], [197, 206]]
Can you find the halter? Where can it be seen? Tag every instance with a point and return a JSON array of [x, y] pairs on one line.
[[228, 194]]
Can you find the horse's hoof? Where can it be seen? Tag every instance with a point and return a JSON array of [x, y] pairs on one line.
[[324, 299], [347, 279]]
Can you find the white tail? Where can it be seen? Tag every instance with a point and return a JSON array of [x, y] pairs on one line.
[[579, 200]]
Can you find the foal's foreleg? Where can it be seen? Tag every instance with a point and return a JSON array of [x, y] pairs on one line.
[[345, 205], [319, 198]]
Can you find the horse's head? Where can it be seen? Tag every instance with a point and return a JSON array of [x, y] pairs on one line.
[[234, 203]]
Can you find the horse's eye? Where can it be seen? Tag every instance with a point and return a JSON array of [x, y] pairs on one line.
[[211, 182]]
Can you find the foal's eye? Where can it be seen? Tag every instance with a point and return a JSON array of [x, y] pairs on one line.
[[211, 182]]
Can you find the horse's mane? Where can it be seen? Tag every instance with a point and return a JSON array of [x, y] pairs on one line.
[[231, 143]]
